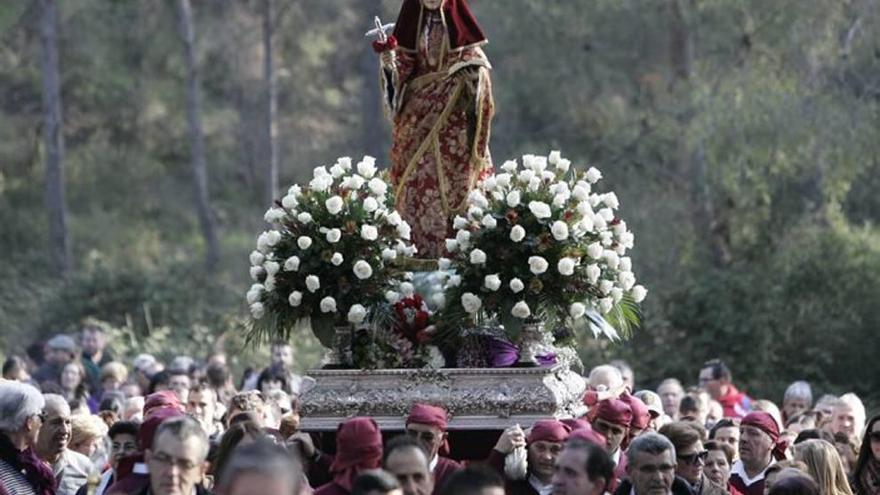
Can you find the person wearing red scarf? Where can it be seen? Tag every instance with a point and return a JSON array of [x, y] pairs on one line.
[[543, 444], [716, 379], [435, 79], [132, 473], [428, 424], [358, 448], [759, 447]]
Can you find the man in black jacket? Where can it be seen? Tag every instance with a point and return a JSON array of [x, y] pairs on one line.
[[651, 468]]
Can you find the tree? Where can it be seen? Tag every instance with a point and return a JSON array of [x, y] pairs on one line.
[[196, 137], [271, 101], [53, 136]]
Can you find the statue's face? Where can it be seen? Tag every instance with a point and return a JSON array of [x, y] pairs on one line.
[[432, 4]]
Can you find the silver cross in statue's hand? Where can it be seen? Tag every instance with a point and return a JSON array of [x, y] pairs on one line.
[[379, 30]]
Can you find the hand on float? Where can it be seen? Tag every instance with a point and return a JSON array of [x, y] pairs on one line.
[[303, 441], [510, 439]]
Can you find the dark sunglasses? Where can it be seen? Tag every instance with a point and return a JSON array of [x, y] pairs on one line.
[[696, 456]]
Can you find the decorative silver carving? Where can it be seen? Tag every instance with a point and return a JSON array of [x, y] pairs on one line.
[[530, 337], [476, 398]]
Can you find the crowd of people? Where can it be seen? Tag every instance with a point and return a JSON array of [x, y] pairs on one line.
[[73, 420]]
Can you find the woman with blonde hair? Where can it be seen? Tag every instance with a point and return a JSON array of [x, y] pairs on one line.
[[824, 466]]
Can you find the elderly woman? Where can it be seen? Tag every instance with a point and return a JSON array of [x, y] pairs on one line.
[[797, 400], [21, 416]]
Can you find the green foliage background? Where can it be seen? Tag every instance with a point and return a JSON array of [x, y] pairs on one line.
[[740, 135]]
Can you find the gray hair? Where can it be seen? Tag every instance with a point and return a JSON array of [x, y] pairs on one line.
[[264, 458], [799, 390], [56, 402], [181, 429], [18, 401], [651, 443]]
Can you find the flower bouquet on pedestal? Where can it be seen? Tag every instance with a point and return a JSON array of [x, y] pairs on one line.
[[540, 251], [328, 258]]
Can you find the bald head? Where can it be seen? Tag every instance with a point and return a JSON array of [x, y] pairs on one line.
[[56, 430]]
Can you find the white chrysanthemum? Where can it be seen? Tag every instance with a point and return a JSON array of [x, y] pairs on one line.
[[595, 250], [463, 237], [378, 186], [610, 200], [593, 175], [334, 205], [451, 245], [333, 235], [459, 222], [470, 302], [289, 201], [392, 296], [328, 305], [295, 298], [304, 218], [605, 305], [516, 285], [540, 209], [627, 279], [476, 198], [489, 221], [344, 162], [404, 231], [559, 230], [362, 269], [273, 237], [593, 273], [517, 233], [563, 165], [554, 157], [537, 265], [313, 283], [639, 293], [521, 310], [274, 215], [256, 272], [367, 168], [394, 218], [304, 242], [502, 180], [565, 266], [605, 286], [337, 259], [492, 282], [369, 232], [513, 198], [611, 259], [478, 256], [370, 204], [444, 263], [257, 258], [577, 310], [509, 166], [616, 294], [357, 313], [271, 267], [257, 310]]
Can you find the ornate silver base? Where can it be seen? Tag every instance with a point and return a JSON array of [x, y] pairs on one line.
[[476, 398], [530, 337]]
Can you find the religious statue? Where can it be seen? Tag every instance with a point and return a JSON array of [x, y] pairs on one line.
[[438, 94]]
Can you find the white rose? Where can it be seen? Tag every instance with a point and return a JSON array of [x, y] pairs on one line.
[[273, 236], [539, 163], [620, 249], [353, 182], [502, 180], [334, 205], [475, 213], [320, 172], [463, 237], [257, 310], [535, 184], [605, 305], [366, 168], [394, 218], [616, 294], [577, 310], [639, 293], [490, 183], [253, 295], [392, 296], [476, 198], [539, 209], [521, 310], [610, 199], [255, 272], [369, 232], [627, 280], [371, 205], [517, 233], [537, 265], [269, 283], [257, 258], [304, 242], [289, 201], [611, 259], [451, 245], [333, 235], [489, 222], [595, 250], [566, 266], [478, 256], [593, 175], [295, 298], [586, 224], [585, 209], [337, 259], [454, 281], [627, 239], [593, 273], [328, 305], [526, 176], [513, 199], [313, 283], [357, 313], [321, 184], [470, 302], [554, 157], [459, 222], [444, 263], [389, 254], [345, 162], [294, 190], [404, 231], [362, 270], [336, 171], [619, 228], [516, 285], [560, 199], [378, 186], [563, 165], [599, 223], [271, 267], [580, 194], [605, 286], [407, 289], [492, 282], [559, 230], [606, 213], [607, 238], [304, 218], [273, 215], [509, 166], [625, 264]]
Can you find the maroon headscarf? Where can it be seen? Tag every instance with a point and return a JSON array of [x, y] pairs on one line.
[[358, 448], [461, 25], [549, 430], [614, 411], [641, 416], [162, 399], [590, 435], [424, 414], [765, 422]]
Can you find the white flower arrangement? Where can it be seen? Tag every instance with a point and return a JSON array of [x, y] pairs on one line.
[[558, 250], [326, 256]]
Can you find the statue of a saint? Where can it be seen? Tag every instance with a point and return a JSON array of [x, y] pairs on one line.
[[435, 79]]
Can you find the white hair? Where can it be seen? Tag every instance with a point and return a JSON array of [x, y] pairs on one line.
[[605, 378], [858, 409], [18, 401], [799, 390], [56, 402]]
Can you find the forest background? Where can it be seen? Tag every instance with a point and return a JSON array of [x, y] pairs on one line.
[[742, 137]]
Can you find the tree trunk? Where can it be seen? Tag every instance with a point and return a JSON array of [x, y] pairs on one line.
[[271, 101], [56, 204], [197, 143]]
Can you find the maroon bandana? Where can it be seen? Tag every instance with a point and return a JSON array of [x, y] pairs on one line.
[[764, 422]]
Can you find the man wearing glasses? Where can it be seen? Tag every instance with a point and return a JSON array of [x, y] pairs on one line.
[[428, 424], [651, 468], [177, 458], [690, 457], [716, 379]]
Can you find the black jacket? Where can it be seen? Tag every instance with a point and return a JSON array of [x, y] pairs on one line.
[[679, 487]]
